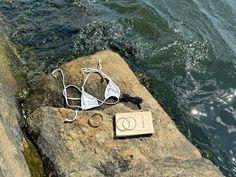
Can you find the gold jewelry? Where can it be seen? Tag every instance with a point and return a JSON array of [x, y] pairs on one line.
[[93, 123]]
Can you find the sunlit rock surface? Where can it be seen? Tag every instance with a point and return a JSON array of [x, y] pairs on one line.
[[12, 162], [77, 149]]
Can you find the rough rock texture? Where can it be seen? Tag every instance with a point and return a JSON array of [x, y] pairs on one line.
[[171, 167], [12, 162], [77, 149]]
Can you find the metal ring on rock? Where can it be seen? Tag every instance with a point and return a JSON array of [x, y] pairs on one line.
[[92, 123]]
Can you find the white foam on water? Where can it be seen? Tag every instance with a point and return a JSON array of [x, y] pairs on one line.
[[234, 169], [223, 27], [232, 4], [219, 120], [231, 129]]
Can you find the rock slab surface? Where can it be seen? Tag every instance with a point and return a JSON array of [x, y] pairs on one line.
[[12, 162], [77, 149]]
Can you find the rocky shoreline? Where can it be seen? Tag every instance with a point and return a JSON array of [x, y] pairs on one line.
[[76, 149], [12, 141]]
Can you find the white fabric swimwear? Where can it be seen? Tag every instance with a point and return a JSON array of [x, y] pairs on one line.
[[88, 101]]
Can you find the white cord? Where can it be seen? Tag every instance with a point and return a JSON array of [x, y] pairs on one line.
[[89, 71]]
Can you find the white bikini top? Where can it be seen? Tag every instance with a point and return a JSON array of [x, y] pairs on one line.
[[87, 100]]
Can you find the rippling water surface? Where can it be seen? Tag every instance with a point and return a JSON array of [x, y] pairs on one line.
[[186, 47]]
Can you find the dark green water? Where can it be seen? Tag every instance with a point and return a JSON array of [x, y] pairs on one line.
[[186, 47]]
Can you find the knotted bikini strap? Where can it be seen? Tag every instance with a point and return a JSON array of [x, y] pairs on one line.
[[94, 70], [65, 89], [66, 97]]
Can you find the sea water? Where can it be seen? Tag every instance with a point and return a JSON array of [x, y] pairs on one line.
[[186, 47]]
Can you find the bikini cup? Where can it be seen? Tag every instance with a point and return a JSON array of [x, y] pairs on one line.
[[88, 101], [112, 90]]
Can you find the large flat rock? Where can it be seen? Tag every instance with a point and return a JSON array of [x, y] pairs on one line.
[[77, 149]]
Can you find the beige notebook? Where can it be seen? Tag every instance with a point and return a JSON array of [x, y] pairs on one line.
[[133, 123]]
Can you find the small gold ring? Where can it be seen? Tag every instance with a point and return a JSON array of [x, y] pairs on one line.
[[93, 123]]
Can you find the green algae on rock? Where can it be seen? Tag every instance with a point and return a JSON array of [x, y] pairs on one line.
[[33, 159], [16, 151], [12, 161]]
